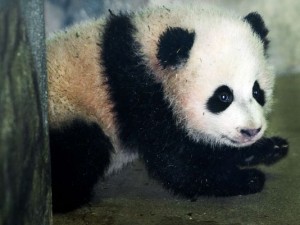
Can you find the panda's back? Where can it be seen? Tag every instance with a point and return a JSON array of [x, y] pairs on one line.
[[77, 86]]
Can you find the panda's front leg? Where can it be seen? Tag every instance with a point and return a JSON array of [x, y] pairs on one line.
[[194, 172], [265, 151]]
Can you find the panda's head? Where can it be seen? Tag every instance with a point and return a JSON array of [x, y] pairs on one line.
[[217, 78]]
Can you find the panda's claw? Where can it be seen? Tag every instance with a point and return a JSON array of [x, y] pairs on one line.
[[278, 151]]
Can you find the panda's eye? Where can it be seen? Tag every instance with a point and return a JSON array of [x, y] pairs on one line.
[[225, 97], [220, 100], [258, 94], [255, 91]]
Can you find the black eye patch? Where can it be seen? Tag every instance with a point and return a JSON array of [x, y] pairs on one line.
[[258, 94], [220, 100]]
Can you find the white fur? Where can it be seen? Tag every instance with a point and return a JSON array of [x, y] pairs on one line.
[[225, 52], [281, 17], [118, 160]]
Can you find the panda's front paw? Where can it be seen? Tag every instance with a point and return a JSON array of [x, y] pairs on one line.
[[240, 182], [278, 149]]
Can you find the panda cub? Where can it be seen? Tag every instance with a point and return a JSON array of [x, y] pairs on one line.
[[186, 89]]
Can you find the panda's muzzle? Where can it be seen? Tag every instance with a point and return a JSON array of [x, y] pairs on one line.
[[245, 137], [250, 133]]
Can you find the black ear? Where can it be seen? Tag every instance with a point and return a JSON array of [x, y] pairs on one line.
[[258, 26], [174, 46]]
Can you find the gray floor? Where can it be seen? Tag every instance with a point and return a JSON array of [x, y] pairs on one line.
[[130, 198]]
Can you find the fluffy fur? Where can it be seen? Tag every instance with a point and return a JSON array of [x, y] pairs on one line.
[[185, 88]]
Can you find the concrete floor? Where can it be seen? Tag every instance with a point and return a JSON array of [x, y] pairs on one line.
[[130, 198]]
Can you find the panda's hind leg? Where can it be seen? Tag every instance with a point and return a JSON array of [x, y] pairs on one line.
[[80, 153]]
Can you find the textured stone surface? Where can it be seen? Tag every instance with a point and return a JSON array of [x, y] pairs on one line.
[[24, 156]]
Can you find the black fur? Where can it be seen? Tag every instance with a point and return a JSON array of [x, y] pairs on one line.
[[80, 153], [258, 26], [174, 46], [220, 100], [147, 123], [258, 94]]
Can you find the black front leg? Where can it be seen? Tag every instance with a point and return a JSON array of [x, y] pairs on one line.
[[265, 151], [191, 170]]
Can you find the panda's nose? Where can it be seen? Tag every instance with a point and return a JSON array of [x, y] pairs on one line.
[[249, 133]]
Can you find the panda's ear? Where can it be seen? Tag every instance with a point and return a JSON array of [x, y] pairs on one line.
[[258, 26], [174, 46]]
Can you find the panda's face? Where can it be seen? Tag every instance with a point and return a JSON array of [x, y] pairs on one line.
[[233, 114], [220, 91], [225, 102]]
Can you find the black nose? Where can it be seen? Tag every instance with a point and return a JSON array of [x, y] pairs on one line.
[[250, 132]]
